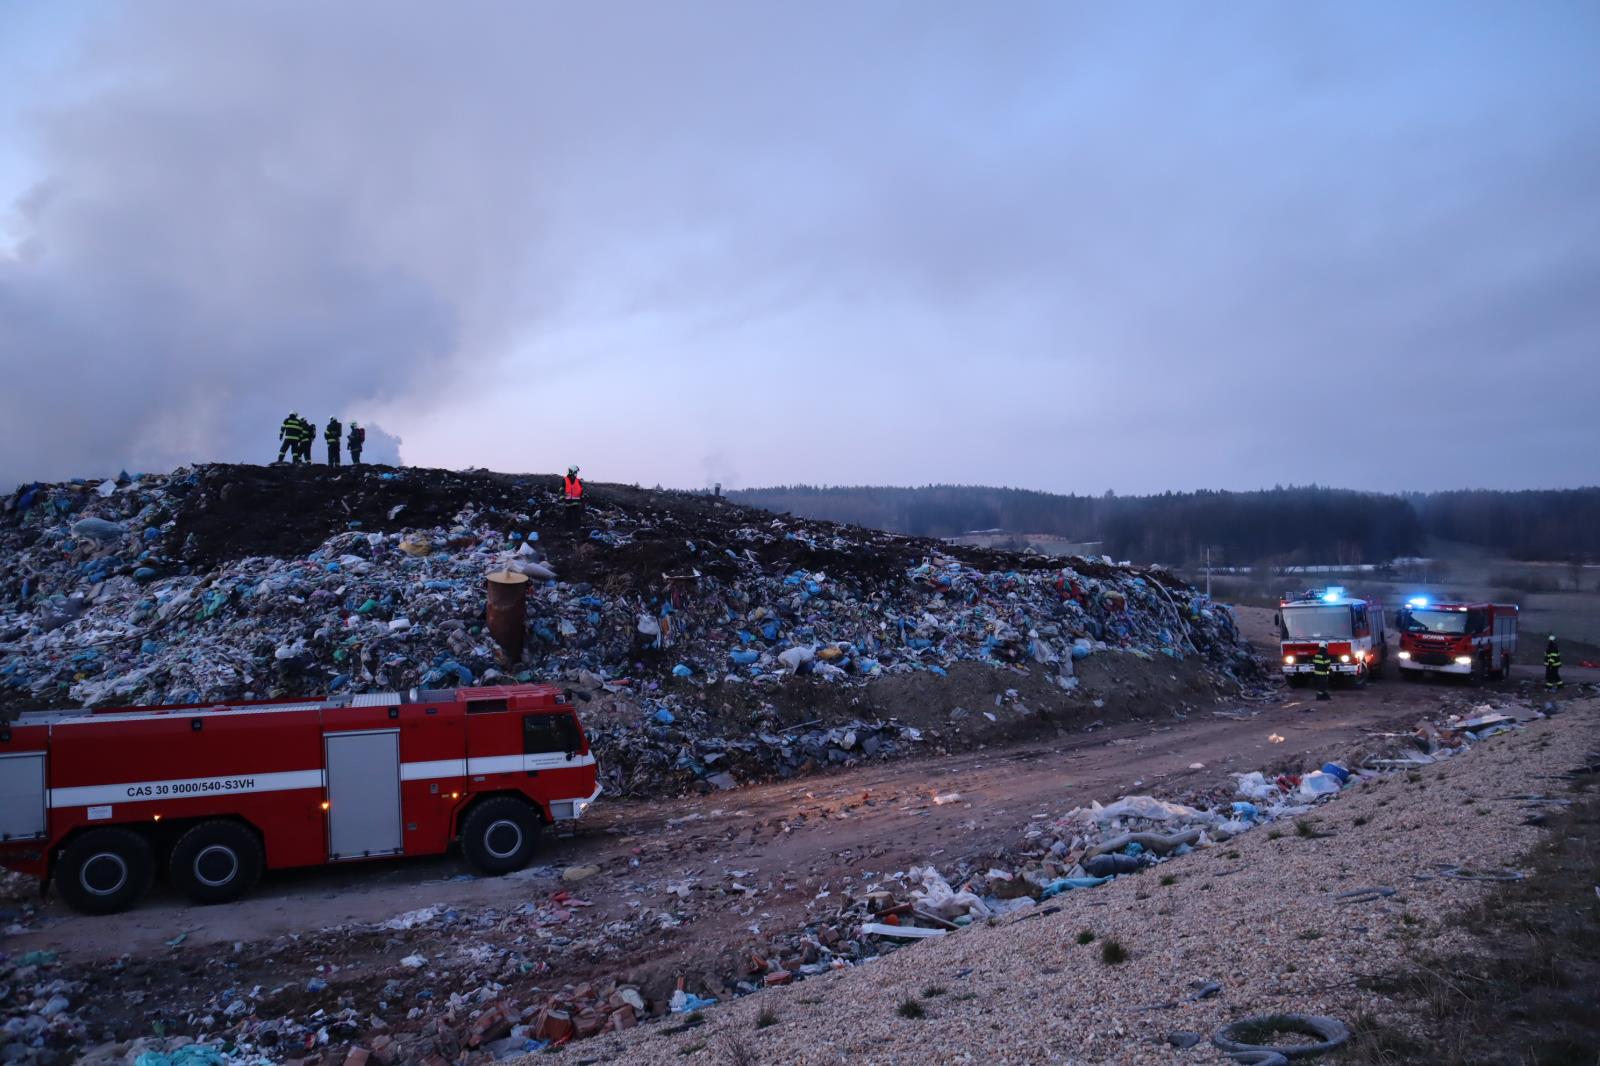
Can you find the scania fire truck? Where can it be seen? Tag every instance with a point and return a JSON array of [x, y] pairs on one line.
[[214, 794], [1473, 639], [1353, 629]]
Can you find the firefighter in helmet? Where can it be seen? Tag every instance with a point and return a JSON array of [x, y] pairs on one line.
[[358, 440], [308, 434], [332, 433], [289, 437], [1322, 670], [1552, 665]]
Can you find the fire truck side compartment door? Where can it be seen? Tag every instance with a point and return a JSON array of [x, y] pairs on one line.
[[363, 794], [22, 814]]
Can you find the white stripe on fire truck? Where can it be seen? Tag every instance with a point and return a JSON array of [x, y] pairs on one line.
[[234, 784], [510, 764], [490, 764], [184, 788]]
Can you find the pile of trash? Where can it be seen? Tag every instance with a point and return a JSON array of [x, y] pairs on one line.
[[226, 582], [1431, 741], [661, 751]]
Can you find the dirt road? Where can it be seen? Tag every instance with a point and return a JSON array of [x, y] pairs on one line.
[[790, 838]]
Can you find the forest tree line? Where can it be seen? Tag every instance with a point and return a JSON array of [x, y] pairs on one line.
[[1308, 525]]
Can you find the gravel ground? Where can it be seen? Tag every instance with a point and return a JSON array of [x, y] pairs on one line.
[[1258, 916]]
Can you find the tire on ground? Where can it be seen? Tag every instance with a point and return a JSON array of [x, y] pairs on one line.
[[500, 835], [1328, 1033], [216, 861], [105, 870]]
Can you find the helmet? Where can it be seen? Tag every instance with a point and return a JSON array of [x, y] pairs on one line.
[[354, 424], [572, 471], [1323, 645], [294, 414]]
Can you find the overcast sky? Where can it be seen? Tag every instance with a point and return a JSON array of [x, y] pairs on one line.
[[1063, 246]]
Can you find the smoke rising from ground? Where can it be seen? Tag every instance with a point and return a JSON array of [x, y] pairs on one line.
[[1044, 245]]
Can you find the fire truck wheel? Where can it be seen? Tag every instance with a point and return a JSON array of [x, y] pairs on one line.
[[500, 835], [106, 870], [216, 862]]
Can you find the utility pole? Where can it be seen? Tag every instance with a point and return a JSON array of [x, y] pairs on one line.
[[1208, 571]]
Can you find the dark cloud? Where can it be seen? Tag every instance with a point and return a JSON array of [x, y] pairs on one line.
[[1041, 244]]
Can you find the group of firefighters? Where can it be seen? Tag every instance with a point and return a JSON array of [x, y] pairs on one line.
[[295, 436], [1322, 668]]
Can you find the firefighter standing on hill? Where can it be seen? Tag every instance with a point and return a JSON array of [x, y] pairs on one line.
[[1552, 665], [331, 434], [289, 437], [358, 437], [573, 486], [308, 433], [1322, 670]]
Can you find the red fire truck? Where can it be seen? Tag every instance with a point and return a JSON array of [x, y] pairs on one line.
[[1352, 628], [1473, 639], [214, 794]]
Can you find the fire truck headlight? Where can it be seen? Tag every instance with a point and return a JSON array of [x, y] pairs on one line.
[[1463, 660], [1288, 660], [1405, 655], [1344, 658]]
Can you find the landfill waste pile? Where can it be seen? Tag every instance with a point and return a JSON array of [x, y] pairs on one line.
[[709, 629]]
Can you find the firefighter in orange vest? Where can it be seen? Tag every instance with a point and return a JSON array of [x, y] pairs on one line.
[[573, 485]]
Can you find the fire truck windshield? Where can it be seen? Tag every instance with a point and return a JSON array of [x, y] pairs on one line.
[[1424, 621], [1316, 623]]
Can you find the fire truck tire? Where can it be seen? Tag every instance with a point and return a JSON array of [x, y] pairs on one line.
[[500, 835], [216, 862], [106, 870]]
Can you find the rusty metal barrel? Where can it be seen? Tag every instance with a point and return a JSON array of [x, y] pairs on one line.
[[508, 611]]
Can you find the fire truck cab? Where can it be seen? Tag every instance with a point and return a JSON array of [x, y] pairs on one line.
[[1353, 629], [1470, 639], [213, 795]]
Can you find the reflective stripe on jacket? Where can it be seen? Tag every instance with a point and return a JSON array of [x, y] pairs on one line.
[[1321, 664], [574, 488]]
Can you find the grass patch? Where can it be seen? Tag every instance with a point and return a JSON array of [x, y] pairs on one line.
[[1274, 834], [933, 990], [1168, 880], [1525, 996], [1308, 828], [1362, 820], [1086, 937], [735, 1052], [1309, 934], [1112, 953], [1231, 855], [767, 1016], [910, 1008]]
